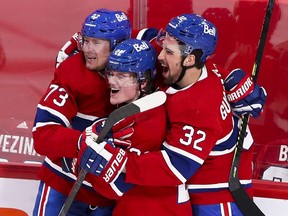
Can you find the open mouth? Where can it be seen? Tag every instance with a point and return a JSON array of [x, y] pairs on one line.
[[90, 58], [114, 91], [165, 69]]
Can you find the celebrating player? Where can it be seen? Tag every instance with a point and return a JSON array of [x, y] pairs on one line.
[[76, 96], [199, 147], [131, 69]]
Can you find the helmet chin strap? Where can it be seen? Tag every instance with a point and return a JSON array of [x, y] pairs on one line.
[[183, 71], [141, 91]]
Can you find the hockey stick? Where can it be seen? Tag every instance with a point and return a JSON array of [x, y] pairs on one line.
[[242, 199], [143, 104]]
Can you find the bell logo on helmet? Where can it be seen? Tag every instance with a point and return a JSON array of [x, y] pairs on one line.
[[209, 31], [121, 17], [142, 46]]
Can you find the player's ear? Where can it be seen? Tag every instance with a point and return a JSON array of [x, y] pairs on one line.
[[189, 60]]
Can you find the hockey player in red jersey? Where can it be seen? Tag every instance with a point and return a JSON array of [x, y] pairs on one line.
[[76, 96], [131, 69], [202, 136]]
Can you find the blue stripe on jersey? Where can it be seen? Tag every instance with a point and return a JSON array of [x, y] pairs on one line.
[[231, 141], [43, 116], [79, 123], [183, 164], [120, 186], [67, 176]]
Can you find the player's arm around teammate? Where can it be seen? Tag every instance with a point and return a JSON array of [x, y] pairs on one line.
[[77, 95]]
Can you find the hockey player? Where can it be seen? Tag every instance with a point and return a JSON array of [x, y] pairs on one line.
[[131, 69], [202, 136], [76, 96], [251, 102]]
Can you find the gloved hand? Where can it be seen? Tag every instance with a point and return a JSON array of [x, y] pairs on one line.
[[243, 94], [70, 165], [101, 159], [118, 186], [118, 135], [116, 189], [105, 164], [122, 131], [71, 47], [93, 130]]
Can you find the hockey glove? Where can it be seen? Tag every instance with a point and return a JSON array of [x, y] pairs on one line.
[[102, 159], [122, 131], [118, 186], [89, 136], [243, 94], [93, 130], [116, 160], [71, 47], [119, 133], [88, 158], [113, 190], [70, 164]]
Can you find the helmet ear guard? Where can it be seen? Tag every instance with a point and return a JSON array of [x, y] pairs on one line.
[[107, 24]]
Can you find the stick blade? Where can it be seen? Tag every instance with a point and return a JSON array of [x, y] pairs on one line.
[[151, 101]]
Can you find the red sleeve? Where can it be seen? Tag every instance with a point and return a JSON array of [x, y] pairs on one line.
[[62, 141], [53, 134]]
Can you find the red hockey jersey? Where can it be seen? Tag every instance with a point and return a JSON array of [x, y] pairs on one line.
[[74, 99], [150, 130], [198, 149]]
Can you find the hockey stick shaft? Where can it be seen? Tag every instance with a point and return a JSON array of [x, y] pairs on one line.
[[242, 199], [143, 104]]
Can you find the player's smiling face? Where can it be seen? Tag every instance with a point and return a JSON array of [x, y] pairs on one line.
[[96, 52], [170, 58], [124, 87]]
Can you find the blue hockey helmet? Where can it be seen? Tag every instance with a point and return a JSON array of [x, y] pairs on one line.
[[107, 24], [135, 56], [195, 32]]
